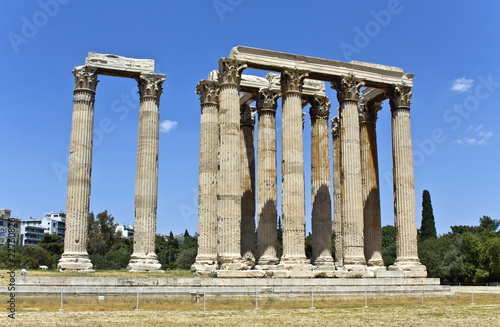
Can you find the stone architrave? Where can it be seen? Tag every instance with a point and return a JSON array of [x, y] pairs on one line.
[[206, 259], [370, 181], [404, 187], [321, 216], [352, 208], [267, 191], [144, 257], [247, 123], [229, 174], [292, 170], [337, 193], [75, 256]]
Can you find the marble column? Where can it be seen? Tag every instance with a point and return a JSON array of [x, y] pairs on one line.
[[321, 202], [337, 193], [352, 209], [404, 187], [229, 174], [247, 124], [292, 169], [206, 259], [370, 182], [75, 256], [144, 257], [267, 191]]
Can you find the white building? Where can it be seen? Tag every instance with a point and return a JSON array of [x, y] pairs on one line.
[[5, 218], [127, 231], [32, 230]]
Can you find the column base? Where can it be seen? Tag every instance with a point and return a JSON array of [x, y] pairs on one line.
[[267, 260], [144, 263], [231, 262], [324, 263], [249, 260], [204, 265], [411, 268], [376, 260], [295, 264], [78, 262]]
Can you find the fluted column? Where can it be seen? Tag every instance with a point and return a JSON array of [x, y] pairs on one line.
[[321, 217], [292, 168], [404, 188], [229, 175], [352, 216], [247, 124], [206, 258], [370, 183], [75, 256], [337, 193], [144, 257], [267, 192]]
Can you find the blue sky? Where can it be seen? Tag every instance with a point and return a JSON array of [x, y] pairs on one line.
[[451, 47]]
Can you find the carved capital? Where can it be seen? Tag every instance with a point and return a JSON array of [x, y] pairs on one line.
[[208, 92], [267, 100], [85, 78], [292, 80], [400, 96], [230, 71], [368, 111], [247, 116], [150, 85], [320, 108], [335, 127], [347, 88]]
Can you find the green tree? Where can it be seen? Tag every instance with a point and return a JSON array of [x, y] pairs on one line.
[[34, 257], [428, 227], [279, 245], [388, 245], [308, 245], [53, 244]]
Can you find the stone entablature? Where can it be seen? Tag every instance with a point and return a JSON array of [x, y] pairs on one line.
[[299, 81], [75, 256]]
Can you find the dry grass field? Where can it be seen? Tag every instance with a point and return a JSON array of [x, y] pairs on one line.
[[396, 310]]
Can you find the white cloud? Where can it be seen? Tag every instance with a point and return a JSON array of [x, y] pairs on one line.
[[479, 138], [167, 125], [461, 85]]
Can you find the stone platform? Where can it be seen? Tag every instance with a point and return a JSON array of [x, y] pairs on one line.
[[26, 285]]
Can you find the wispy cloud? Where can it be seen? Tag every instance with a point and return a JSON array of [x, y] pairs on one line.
[[167, 125], [461, 85], [477, 135]]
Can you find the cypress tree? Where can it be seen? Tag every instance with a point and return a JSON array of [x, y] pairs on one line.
[[427, 227]]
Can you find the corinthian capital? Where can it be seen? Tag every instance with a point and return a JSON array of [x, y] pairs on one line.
[[247, 117], [347, 88], [400, 96], [85, 78], [208, 92], [267, 100], [150, 85], [320, 107], [368, 111], [292, 80], [335, 127], [230, 71]]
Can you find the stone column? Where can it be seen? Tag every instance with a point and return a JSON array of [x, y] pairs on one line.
[[292, 169], [370, 183], [404, 188], [267, 191], [337, 193], [229, 175], [321, 217], [144, 257], [352, 209], [75, 256], [206, 259], [247, 123]]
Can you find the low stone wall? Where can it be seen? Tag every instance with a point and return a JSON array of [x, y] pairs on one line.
[[224, 286]]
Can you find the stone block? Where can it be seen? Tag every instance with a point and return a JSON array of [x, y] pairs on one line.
[[389, 274], [113, 65]]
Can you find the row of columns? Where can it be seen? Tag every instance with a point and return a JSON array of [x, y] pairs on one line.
[[75, 256], [227, 177]]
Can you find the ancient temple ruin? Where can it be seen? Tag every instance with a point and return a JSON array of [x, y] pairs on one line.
[[75, 256], [234, 188]]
